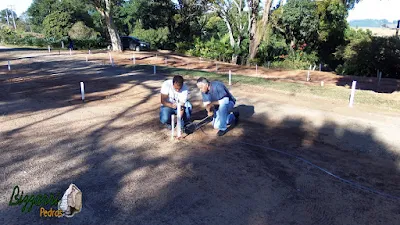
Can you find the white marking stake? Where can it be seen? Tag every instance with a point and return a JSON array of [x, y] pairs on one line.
[[230, 77], [178, 123], [83, 91], [353, 91], [256, 70], [154, 70], [111, 61], [9, 65], [172, 126]]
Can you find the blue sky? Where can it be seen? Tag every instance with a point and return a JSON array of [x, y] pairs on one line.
[[366, 9]]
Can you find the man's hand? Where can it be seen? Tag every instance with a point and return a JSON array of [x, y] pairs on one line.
[[173, 105], [210, 110]]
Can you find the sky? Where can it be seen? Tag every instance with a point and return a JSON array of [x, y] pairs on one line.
[[366, 9]]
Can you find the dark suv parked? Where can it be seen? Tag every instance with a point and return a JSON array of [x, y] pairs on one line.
[[132, 43]]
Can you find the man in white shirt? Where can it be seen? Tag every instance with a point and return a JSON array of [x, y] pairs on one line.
[[172, 92]]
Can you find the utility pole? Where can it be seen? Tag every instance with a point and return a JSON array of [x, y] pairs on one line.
[[398, 27], [8, 21], [12, 15]]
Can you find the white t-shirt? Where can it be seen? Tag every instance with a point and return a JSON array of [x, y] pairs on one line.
[[167, 88]]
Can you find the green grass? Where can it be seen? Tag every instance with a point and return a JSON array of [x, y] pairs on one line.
[[337, 93]]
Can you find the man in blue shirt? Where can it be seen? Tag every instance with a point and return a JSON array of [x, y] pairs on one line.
[[219, 103]]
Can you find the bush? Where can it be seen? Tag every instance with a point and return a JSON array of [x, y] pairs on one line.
[[57, 24], [213, 49], [80, 31], [90, 43], [158, 39], [364, 55], [183, 47]]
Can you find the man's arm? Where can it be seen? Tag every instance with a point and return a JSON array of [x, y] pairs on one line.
[[165, 102]]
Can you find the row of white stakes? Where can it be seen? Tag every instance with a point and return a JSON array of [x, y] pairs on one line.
[[351, 102]]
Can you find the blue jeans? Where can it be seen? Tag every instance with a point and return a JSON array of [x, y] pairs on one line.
[[166, 112], [222, 116]]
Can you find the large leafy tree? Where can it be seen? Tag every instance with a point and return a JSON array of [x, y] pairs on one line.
[[189, 19], [152, 14], [298, 22], [332, 25], [39, 9], [106, 10], [233, 14], [57, 24], [257, 27]]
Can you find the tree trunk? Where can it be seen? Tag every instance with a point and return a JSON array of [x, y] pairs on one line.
[[256, 34], [112, 29]]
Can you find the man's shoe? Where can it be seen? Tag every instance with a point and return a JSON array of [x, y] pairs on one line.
[[221, 133], [236, 114]]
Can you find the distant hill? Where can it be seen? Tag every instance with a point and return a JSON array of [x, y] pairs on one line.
[[371, 23]]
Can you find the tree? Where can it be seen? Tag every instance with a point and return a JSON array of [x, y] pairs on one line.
[[332, 25], [189, 20], [39, 9], [57, 24], [232, 12], [257, 28], [298, 22], [6, 16], [80, 31], [105, 8], [153, 14]]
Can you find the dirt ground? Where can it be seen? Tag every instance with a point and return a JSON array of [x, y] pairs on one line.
[[266, 170]]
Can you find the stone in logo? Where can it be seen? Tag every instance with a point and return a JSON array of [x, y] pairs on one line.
[[71, 202]]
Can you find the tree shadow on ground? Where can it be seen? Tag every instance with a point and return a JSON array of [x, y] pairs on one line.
[[130, 173], [386, 85], [55, 84]]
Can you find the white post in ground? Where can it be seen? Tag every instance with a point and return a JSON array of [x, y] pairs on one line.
[[90, 52], [70, 51], [353, 91], [86, 58], [308, 76], [111, 60], [172, 126], [62, 44], [314, 67], [322, 83], [133, 59], [83, 91], [48, 47], [269, 63], [178, 122], [320, 67], [154, 69], [256, 70], [9, 65], [379, 78], [216, 66], [230, 77], [310, 67]]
